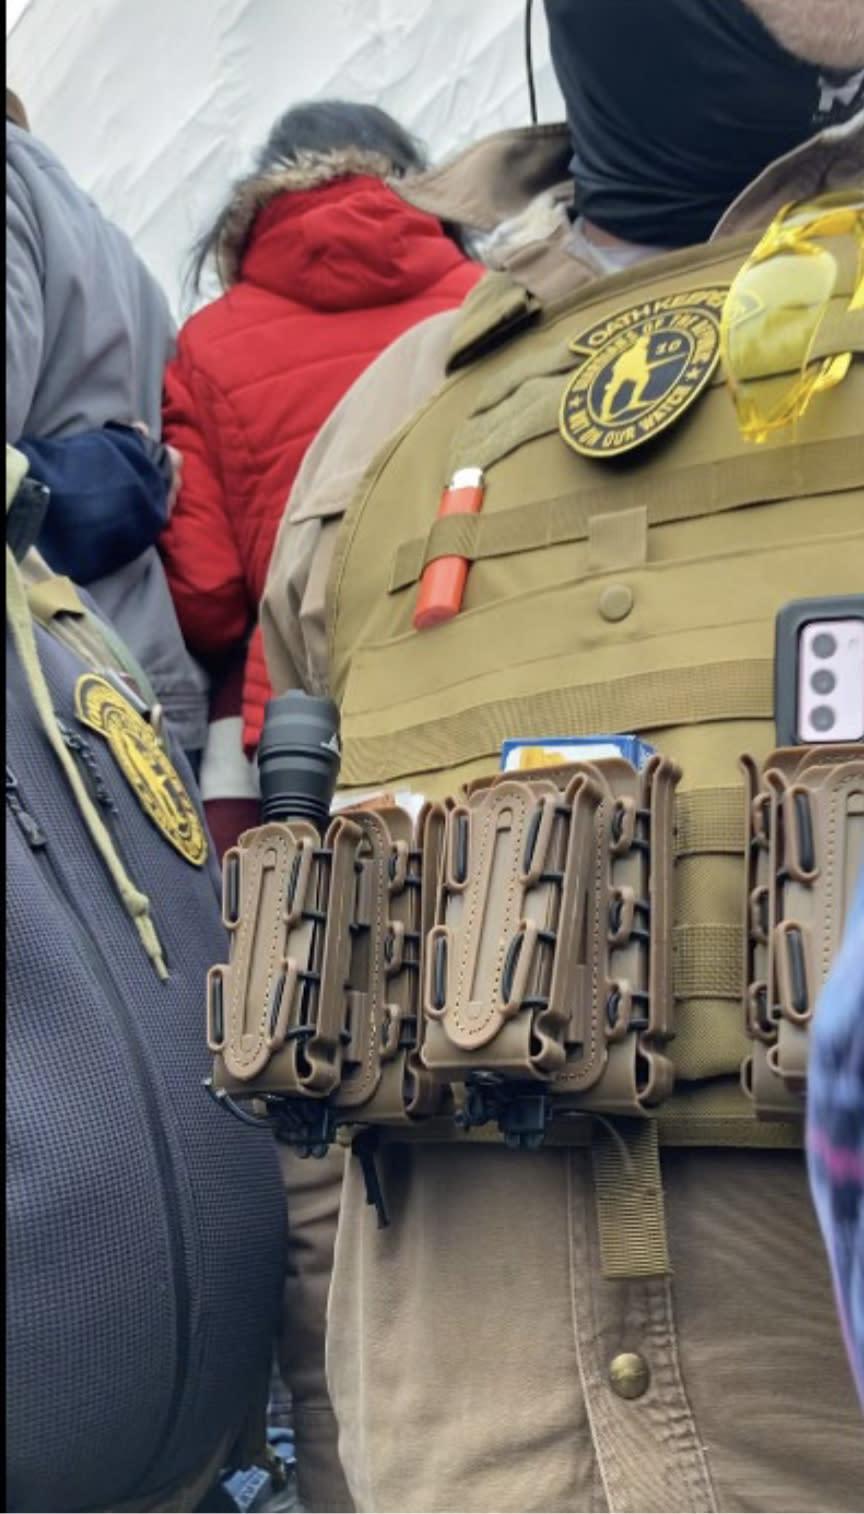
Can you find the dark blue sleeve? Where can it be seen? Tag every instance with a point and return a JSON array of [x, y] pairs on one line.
[[109, 495]]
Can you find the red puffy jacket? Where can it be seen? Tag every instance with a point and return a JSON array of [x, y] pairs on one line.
[[329, 276]]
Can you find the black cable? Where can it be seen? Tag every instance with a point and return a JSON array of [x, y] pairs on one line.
[[529, 63]]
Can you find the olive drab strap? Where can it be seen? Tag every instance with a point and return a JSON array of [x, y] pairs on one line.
[[805, 813], [719, 689], [629, 1193], [668, 499], [495, 309], [56, 604]]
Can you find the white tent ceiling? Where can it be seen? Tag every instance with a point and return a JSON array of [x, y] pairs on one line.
[[154, 107]]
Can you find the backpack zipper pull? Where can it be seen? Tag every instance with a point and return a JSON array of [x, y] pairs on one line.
[[84, 752], [32, 831]]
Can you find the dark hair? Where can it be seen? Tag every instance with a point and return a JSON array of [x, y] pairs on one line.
[[317, 126], [331, 125]]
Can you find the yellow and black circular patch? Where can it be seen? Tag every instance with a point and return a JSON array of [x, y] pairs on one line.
[[148, 770], [643, 368]]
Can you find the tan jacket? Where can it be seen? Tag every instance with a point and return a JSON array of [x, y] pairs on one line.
[[515, 181]]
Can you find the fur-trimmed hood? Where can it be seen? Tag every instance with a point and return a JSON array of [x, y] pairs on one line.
[[327, 265], [309, 170]]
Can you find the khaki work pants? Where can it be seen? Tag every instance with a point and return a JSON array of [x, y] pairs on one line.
[[312, 1189], [471, 1344]]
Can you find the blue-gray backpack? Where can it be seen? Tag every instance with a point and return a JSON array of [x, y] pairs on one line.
[[145, 1228]]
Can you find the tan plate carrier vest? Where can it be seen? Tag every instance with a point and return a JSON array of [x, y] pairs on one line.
[[636, 595]]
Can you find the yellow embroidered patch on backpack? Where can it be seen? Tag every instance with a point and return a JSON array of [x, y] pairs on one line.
[[643, 368], [148, 770]]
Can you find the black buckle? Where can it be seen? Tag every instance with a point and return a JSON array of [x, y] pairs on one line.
[[306, 1125], [521, 1113]]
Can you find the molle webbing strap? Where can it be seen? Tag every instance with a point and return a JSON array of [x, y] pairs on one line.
[[689, 493], [736, 690], [629, 1192], [718, 1113], [840, 330], [710, 1115], [708, 961], [508, 414], [715, 1113], [709, 821]]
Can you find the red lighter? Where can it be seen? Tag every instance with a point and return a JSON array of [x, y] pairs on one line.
[[443, 583]]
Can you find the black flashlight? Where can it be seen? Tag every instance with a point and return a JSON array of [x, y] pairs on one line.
[[298, 758]]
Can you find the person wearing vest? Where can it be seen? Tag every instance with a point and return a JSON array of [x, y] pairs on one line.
[[618, 1327]]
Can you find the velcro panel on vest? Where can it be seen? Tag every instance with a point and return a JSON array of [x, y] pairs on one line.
[[527, 364], [807, 836], [277, 1010]]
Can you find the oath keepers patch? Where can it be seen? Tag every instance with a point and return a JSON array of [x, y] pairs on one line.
[[148, 770], [643, 368]]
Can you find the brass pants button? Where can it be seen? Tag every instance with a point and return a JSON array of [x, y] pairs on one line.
[[629, 1374], [616, 601]]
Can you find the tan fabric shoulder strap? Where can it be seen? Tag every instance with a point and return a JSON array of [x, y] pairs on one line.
[[495, 309], [54, 596]]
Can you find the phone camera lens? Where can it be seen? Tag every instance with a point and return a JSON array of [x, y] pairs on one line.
[[823, 681], [822, 718], [824, 645]]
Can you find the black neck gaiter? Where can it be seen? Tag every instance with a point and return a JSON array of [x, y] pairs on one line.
[[675, 105]]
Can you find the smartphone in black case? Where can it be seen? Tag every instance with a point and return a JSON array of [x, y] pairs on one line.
[[819, 671]]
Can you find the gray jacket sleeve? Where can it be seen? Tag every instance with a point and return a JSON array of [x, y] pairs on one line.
[[24, 303]]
